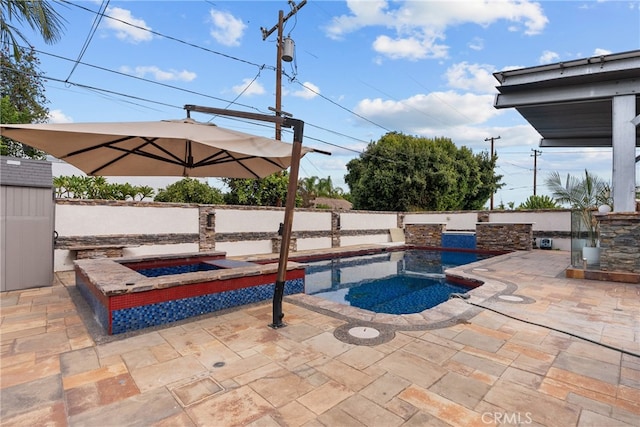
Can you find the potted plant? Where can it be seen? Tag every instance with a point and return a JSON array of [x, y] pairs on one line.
[[584, 195]]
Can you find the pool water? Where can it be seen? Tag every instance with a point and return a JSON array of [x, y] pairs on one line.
[[400, 282], [177, 269]]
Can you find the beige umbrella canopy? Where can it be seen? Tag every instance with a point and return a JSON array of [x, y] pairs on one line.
[[163, 148], [177, 148]]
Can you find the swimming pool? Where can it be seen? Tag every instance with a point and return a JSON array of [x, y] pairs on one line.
[[399, 282]]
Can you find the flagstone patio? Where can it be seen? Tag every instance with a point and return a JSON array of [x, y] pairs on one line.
[[551, 352]]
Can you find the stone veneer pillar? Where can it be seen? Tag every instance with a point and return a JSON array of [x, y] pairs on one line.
[[620, 241], [335, 229], [424, 234], [207, 228], [400, 220], [493, 236], [276, 243]]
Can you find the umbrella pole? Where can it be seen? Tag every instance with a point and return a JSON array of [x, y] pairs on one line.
[[290, 205]]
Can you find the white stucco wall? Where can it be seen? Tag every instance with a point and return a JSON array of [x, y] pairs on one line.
[[312, 221], [88, 220], [368, 221], [63, 258], [548, 220], [245, 248], [454, 221], [247, 221], [78, 220], [363, 240], [261, 221], [314, 243]]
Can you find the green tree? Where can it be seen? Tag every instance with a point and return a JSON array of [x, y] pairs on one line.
[[97, 187], [23, 99], [312, 187], [190, 190], [539, 202], [268, 191], [308, 190], [407, 173], [37, 14]]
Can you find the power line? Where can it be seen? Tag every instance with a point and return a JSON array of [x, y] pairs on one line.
[[338, 105], [155, 33], [92, 31], [263, 66], [108, 70], [401, 102]]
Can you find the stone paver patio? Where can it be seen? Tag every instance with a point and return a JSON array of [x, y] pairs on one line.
[[571, 360]]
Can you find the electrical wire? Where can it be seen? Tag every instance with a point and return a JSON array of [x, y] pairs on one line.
[[337, 105], [571, 334], [92, 31], [402, 102], [97, 67], [156, 33], [260, 67], [240, 94]]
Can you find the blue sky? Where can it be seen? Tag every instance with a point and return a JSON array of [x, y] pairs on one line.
[[361, 69]]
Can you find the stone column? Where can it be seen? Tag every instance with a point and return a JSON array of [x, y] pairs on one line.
[[424, 234], [207, 228], [335, 229], [619, 240], [493, 236]]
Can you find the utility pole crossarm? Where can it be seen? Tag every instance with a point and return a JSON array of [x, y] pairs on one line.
[[266, 33]]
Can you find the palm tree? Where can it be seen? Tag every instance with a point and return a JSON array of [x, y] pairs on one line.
[[38, 14], [583, 195]]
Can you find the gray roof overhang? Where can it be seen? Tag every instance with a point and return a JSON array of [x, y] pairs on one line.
[[570, 103]]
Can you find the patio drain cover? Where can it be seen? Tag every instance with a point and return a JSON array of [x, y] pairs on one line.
[[364, 332], [511, 298], [196, 391]]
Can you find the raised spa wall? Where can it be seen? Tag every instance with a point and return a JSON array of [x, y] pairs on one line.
[[489, 237], [124, 300]]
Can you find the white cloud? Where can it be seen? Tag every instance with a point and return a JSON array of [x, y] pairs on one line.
[[57, 116], [308, 91], [158, 74], [133, 34], [248, 88], [599, 52], [410, 48], [436, 112], [474, 77], [548, 57], [418, 27], [227, 29], [476, 44]]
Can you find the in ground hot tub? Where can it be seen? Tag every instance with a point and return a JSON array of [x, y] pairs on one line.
[[123, 299]]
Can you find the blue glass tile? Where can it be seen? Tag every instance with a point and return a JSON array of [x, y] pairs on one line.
[[459, 240], [101, 313], [134, 318]]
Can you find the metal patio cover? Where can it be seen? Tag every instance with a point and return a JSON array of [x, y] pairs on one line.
[[163, 148], [570, 103]]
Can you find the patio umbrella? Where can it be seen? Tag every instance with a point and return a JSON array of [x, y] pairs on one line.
[[176, 148], [163, 148]]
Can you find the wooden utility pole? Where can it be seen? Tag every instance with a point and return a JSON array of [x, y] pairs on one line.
[[491, 139], [535, 155], [266, 33]]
